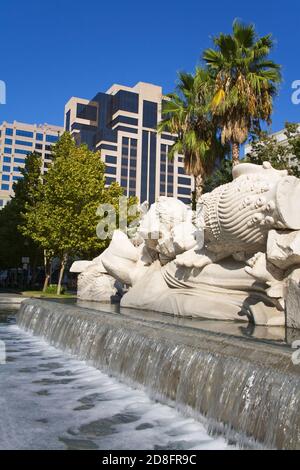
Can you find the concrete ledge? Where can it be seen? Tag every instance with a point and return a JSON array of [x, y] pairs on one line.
[[11, 299]]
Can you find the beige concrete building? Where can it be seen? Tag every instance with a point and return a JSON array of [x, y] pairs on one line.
[[17, 140], [122, 125]]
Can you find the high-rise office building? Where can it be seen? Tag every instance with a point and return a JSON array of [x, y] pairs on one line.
[[17, 140], [122, 125]]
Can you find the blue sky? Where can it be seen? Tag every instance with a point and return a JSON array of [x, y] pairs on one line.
[[52, 50]]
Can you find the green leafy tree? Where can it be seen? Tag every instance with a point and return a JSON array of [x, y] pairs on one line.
[[187, 115], [65, 218], [282, 155], [13, 244], [246, 81], [221, 175]]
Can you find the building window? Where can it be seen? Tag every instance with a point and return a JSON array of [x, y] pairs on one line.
[[168, 137], [23, 142], [132, 183], [170, 190], [86, 111], [39, 146], [19, 160], [108, 147], [17, 177], [17, 169], [124, 161], [9, 131], [182, 190], [124, 183], [152, 167], [111, 159], [149, 114], [5, 177], [131, 130], [133, 152], [124, 120], [111, 170], [6, 168], [22, 151], [7, 150], [68, 115], [182, 180], [144, 178], [5, 187], [39, 136], [7, 159], [52, 138], [8, 141], [125, 101], [24, 133]]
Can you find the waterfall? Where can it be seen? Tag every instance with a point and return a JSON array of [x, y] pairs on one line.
[[246, 389]]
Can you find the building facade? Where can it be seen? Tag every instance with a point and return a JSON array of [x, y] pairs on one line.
[[122, 125], [17, 140]]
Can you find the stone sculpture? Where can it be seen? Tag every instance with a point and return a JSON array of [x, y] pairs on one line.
[[94, 283], [233, 259]]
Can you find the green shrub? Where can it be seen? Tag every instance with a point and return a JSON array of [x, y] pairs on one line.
[[52, 289]]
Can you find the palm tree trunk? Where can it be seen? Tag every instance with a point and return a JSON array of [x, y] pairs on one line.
[[198, 190], [61, 272], [235, 147]]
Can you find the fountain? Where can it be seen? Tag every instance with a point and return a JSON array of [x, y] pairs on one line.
[[237, 259]]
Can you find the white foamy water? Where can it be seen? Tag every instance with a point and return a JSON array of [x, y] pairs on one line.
[[50, 400]]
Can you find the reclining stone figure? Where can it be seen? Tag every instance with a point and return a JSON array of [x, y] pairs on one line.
[[220, 263]]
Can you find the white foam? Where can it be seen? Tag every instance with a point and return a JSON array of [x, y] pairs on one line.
[[50, 400]]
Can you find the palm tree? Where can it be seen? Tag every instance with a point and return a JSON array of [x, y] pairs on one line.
[[246, 81], [186, 114]]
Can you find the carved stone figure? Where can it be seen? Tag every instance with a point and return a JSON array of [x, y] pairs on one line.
[[233, 260], [94, 283]]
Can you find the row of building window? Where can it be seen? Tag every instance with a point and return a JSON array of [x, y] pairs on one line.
[[39, 136], [7, 168], [14, 178], [16, 160]]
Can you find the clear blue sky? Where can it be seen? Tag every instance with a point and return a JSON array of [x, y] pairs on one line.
[[52, 50]]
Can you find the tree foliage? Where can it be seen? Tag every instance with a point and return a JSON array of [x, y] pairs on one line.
[[221, 175], [63, 221], [245, 82], [282, 155], [187, 115], [13, 244]]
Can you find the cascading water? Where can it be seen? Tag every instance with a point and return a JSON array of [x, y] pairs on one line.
[[246, 389]]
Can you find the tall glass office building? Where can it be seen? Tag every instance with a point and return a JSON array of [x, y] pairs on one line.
[[17, 140], [121, 124]]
